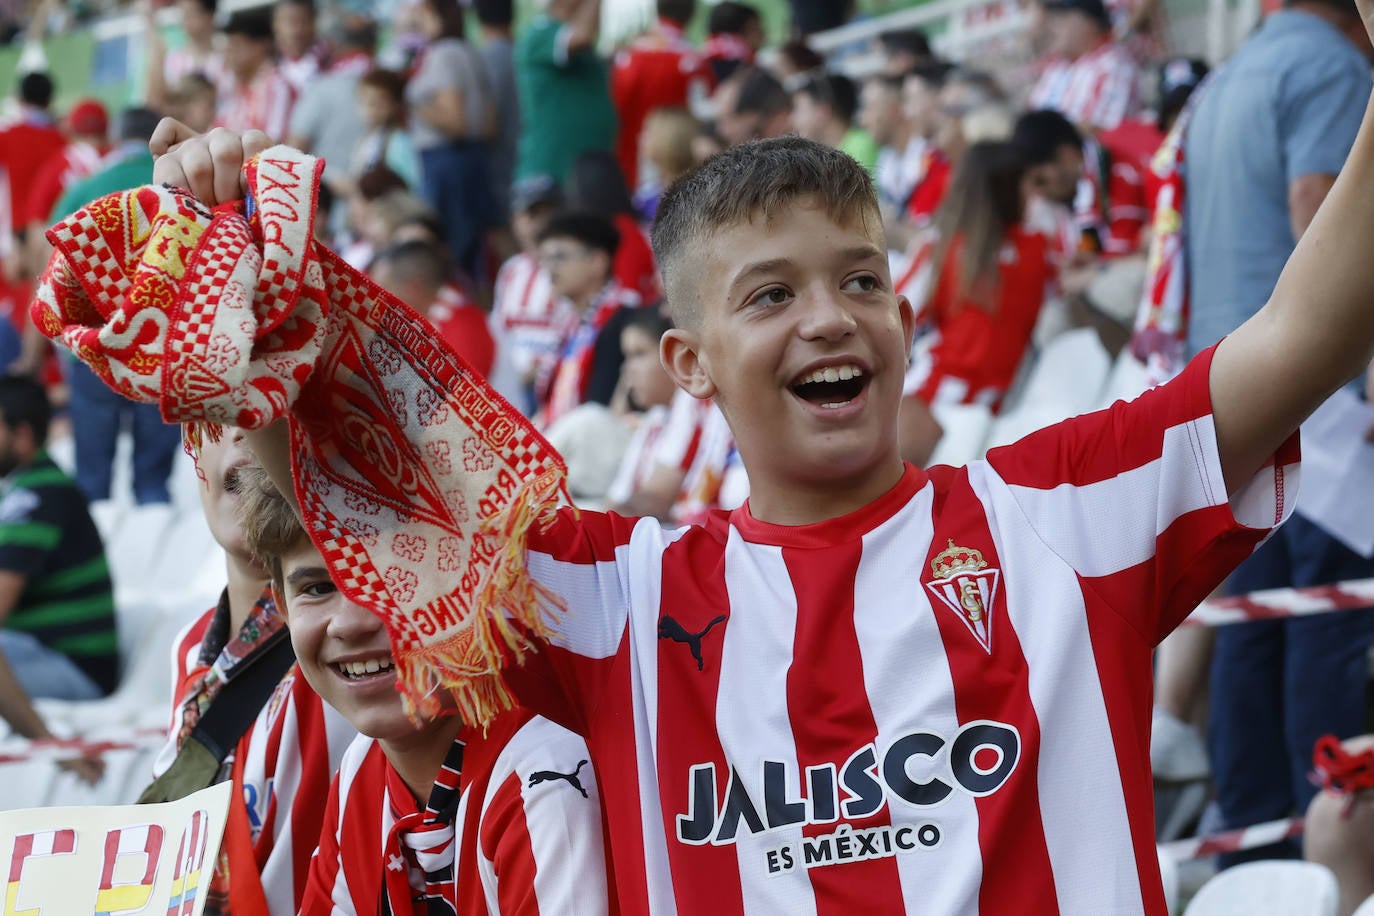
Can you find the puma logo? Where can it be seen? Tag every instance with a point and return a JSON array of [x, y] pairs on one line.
[[668, 628], [570, 778]]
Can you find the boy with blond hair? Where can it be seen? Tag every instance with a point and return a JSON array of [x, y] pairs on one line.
[[428, 816], [874, 687]]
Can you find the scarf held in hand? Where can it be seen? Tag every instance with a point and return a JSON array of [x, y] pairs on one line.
[[415, 479]]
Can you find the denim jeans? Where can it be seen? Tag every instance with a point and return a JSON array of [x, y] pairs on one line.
[[44, 672], [1278, 685], [97, 414]]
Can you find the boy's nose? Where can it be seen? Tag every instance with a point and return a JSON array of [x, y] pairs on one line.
[[826, 316], [353, 622]]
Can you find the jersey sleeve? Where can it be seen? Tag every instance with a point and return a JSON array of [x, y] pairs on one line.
[[1133, 499], [578, 562], [541, 839]]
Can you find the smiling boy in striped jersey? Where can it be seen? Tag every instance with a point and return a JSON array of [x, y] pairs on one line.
[[930, 691]]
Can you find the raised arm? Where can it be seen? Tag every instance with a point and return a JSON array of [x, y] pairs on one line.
[[1316, 332]]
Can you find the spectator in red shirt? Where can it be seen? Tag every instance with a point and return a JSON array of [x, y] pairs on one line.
[[88, 126], [26, 145], [734, 35], [658, 70], [416, 273], [988, 276], [596, 186]]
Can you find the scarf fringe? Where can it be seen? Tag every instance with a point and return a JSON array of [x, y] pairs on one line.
[[511, 612]]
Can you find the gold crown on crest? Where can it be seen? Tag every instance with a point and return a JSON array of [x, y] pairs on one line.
[[954, 560]]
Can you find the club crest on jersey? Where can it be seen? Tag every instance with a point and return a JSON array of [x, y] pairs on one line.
[[966, 585]]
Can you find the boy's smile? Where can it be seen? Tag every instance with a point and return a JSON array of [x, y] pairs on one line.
[[343, 651], [803, 344]]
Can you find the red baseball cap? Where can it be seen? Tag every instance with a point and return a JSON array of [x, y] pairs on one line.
[[88, 118]]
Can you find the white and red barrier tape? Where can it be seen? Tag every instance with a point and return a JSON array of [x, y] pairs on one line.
[[67, 748], [1203, 847], [1279, 603]]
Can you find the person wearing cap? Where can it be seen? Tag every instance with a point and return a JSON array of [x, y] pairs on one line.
[[528, 322], [1262, 148], [257, 96], [1090, 78]]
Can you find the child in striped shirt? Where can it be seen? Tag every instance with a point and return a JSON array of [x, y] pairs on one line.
[[428, 817]]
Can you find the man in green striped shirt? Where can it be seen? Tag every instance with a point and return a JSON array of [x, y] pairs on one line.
[[57, 622]]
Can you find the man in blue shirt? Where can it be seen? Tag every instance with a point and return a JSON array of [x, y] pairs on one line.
[[1262, 151]]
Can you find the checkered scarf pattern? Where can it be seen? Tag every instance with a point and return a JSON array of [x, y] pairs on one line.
[[415, 479]]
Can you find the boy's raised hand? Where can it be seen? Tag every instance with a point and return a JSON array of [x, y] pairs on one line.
[[208, 165]]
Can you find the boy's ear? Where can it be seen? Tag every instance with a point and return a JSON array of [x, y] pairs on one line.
[[680, 352], [907, 312]]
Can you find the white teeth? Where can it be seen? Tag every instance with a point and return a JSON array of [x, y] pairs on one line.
[[363, 669], [833, 406], [833, 374]]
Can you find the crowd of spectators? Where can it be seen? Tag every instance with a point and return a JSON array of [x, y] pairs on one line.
[[502, 184]]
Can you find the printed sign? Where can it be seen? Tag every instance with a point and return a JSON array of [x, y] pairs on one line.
[[116, 860]]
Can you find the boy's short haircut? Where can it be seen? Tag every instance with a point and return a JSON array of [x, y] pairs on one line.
[[596, 232], [209, 6], [391, 82], [1039, 135], [415, 262], [760, 179], [494, 12], [833, 90], [270, 526], [24, 402], [730, 18]]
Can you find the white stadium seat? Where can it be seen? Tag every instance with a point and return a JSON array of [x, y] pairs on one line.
[[1268, 888]]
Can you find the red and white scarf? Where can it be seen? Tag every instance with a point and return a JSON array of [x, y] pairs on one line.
[[1161, 324], [415, 479]]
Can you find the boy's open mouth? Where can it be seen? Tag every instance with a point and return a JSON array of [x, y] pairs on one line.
[[833, 386], [362, 670]]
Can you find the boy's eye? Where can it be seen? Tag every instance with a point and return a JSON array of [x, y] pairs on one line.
[[773, 295], [317, 589], [864, 283]]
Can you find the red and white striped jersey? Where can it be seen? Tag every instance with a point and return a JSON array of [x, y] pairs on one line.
[[937, 704], [529, 324], [1097, 89], [288, 755], [264, 104], [528, 835]]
